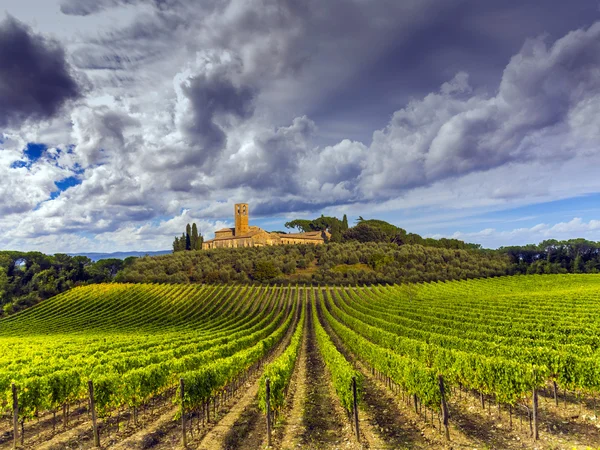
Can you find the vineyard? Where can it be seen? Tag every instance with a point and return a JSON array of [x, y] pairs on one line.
[[510, 362]]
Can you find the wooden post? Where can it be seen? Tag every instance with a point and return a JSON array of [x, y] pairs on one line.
[[182, 393], [268, 401], [555, 392], [536, 435], [444, 406], [355, 407], [93, 411], [15, 416]]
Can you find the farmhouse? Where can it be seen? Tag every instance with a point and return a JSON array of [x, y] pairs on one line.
[[244, 235]]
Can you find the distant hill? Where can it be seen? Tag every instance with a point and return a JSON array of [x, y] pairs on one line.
[[120, 255]]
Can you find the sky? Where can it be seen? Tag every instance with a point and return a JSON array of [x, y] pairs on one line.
[[123, 120]]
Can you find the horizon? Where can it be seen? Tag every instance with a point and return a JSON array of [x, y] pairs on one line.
[[122, 121]]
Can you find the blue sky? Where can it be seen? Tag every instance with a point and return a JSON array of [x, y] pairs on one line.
[[121, 121]]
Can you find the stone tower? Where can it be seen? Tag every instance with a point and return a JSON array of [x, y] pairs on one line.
[[241, 213]]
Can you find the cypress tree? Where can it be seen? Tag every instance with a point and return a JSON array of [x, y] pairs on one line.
[[188, 237], [194, 241], [344, 223]]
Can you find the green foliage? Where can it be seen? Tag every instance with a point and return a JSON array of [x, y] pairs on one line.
[[279, 372], [302, 225], [320, 224], [459, 330], [341, 370], [196, 240], [552, 257], [501, 337], [265, 270], [336, 232], [189, 240], [387, 263], [27, 278], [143, 358]]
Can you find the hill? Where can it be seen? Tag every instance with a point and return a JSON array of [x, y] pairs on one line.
[[343, 263]]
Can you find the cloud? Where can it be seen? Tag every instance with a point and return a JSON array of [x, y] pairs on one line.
[[35, 78], [197, 108], [24, 186], [87, 7], [209, 96], [99, 133], [491, 237], [542, 111]]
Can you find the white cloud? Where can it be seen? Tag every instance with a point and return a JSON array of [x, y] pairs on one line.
[[491, 237], [216, 111]]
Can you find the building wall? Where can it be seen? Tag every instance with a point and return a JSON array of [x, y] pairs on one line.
[[221, 234], [259, 240]]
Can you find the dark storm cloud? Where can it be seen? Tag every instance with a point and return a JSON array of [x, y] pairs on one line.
[[35, 79], [452, 36], [542, 111], [277, 206], [210, 97]]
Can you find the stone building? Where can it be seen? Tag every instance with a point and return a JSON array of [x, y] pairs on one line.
[[244, 235]]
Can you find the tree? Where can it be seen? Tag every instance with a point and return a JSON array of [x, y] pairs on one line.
[[176, 245], [578, 265], [336, 232], [365, 233], [303, 225], [188, 237], [104, 269], [194, 239], [344, 223], [265, 270]]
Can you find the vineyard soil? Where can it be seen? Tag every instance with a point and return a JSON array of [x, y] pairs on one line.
[[325, 426]]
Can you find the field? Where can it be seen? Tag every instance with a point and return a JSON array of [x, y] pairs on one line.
[[486, 363]]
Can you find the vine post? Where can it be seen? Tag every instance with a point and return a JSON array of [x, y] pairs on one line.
[[182, 393], [93, 409], [355, 408], [444, 406], [536, 435], [268, 403], [15, 416]]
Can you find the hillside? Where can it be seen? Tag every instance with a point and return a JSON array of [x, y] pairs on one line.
[[344, 263], [470, 361]]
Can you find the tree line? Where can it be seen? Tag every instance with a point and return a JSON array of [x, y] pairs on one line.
[[373, 230], [552, 256], [28, 277], [335, 263]]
